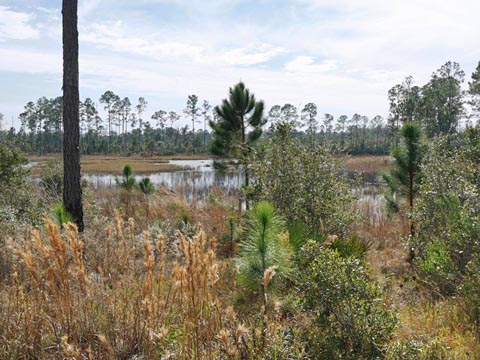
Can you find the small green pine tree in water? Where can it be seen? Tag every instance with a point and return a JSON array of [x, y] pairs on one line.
[[147, 188], [127, 181]]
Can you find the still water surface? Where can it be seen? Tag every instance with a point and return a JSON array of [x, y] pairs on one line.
[[198, 178]]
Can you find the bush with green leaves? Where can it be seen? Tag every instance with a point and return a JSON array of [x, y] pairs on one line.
[[16, 204], [349, 317], [416, 350], [470, 290], [304, 183], [51, 179], [448, 211]]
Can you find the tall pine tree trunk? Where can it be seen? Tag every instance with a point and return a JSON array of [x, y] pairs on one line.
[[72, 192]]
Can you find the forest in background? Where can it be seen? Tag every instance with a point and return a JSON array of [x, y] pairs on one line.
[[441, 106]]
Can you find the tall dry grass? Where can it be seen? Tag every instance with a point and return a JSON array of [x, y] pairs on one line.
[[121, 296]]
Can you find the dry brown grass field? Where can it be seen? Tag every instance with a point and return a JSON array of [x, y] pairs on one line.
[[103, 164], [158, 281], [366, 163], [110, 164]]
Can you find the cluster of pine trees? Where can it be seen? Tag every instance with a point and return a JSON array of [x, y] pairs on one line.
[[440, 106]]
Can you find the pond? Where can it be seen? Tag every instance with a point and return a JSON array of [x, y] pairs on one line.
[[195, 182], [200, 177]]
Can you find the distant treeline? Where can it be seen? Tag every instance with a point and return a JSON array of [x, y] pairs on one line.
[[438, 106]]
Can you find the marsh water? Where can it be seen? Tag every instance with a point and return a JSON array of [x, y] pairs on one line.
[[199, 177], [194, 182]]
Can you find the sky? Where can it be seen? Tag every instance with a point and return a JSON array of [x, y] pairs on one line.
[[343, 55]]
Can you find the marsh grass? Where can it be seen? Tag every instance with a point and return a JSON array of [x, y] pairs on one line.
[[106, 164], [366, 163], [137, 285], [120, 295]]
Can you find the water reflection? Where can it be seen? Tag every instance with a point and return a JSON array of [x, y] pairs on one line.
[[199, 178], [194, 183]]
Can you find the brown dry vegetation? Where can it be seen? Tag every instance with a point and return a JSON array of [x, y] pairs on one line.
[[100, 164], [366, 163], [106, 164], [161, 282], [441, 324], [125, 288]]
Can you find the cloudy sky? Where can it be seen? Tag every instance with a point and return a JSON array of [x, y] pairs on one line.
[[343, 55]]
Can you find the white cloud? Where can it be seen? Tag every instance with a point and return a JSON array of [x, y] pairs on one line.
[[306, 64], [114, 36], [16, 25], [252, 55], [30, 61], [335, 49]]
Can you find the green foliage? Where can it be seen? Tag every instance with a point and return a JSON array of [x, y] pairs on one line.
[[448, 211], [470, 289], [11, 161], [240, 122], [305, 184], [127, 181], [441, 105], [416, 350], [263, 246], [16, 199], [353, 246], [404, 101], [146, 186], [298, 234], [61, 216], [230, 237], [437, 106], [404, 175], [184, 218], [350, 319], [238, 126], [51, 179], [233, 228], [474, 91]]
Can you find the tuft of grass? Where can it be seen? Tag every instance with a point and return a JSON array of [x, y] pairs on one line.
[[352, 246], [61, 216]]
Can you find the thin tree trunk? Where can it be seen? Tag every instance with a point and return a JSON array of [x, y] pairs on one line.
[[72, 191], [411, 254]]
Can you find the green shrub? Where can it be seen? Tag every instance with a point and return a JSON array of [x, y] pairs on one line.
[[146, 186], [299, 234], [184, 218], [263, 247], [448, 212], [470, 290], [352, 246], [415, 350], [305, 184], [16, 198], [51, 179], [61, 216], [349, 317]]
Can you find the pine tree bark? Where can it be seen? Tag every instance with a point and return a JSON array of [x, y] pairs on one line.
[[72, 191]]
